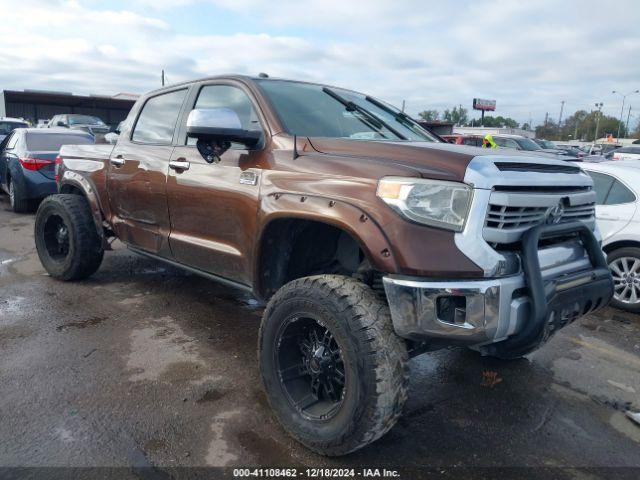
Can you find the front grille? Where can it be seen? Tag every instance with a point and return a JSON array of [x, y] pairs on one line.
[[505, 217], [510, 214]]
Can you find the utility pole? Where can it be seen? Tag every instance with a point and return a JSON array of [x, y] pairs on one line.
[[546, 118], [163, 77], [598, 115], [560, 118], [622, 109], [626, 128]]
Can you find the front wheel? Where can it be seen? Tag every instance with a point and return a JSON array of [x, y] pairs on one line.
[[334, 370], [67, 239], [624, 264]]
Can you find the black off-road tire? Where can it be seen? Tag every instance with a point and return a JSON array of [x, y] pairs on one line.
[[375, 362], [621, 253], [18, 203], [85, 249]]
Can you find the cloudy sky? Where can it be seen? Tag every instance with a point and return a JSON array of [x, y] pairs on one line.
[[528, 55]]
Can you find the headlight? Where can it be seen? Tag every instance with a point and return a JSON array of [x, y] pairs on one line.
[[431, 202]]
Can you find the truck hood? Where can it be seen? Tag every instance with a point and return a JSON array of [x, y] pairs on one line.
[[440, 161]]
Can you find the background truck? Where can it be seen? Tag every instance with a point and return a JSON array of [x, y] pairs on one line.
[[369, 240]]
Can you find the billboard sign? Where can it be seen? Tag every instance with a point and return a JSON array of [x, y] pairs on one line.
[[485, 105]]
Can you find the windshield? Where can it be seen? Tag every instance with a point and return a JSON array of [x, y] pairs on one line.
[[315, 111], [51, 142], [7, 127], [528, 144], [546, 144], [84, 120]]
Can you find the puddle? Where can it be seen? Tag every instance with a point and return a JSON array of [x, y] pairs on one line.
[[219, 453], [161, 350]]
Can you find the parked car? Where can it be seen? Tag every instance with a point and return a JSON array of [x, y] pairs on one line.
[[88, 123], [547, 144], [571, 150], [369, 239], [603, 148], [528, 145], [617, 187], [8, 125], [27, 163], [626, 153]]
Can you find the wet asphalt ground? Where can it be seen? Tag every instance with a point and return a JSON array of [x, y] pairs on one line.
[[143, 365]]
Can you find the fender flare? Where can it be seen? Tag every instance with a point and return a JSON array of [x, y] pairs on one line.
[[340, 214], [78, 182]]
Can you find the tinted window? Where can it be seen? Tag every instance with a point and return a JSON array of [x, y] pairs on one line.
[[51, 142], [471, 141], [158, 118], [619, 194], [7, 127], [527, 144], [505, 142], [602, 184]]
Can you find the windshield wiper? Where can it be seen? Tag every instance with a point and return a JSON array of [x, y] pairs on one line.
[[354, 107], [400, 117]]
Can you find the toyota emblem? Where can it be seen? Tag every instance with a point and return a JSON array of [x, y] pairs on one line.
[[554, 214]]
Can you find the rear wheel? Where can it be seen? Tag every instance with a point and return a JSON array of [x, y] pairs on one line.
[[16, 198], [66, 237], [334, 370], [624, 264]]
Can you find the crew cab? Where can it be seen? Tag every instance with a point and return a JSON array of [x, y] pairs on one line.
[[368, 238]]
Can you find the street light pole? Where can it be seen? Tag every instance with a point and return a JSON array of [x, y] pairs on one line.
[[624, 97], [626, 127], [560, 119]]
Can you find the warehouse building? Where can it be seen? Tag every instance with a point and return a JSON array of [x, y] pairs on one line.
[[39, 106]]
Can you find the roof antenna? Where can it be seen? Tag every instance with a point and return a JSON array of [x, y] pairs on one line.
[[295, 147]]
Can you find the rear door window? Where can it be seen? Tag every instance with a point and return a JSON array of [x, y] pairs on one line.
[[157, 120], [602, 184], [619, 194], [51, 142]]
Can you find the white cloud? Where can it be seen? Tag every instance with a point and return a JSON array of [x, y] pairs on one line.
[[527, 55]]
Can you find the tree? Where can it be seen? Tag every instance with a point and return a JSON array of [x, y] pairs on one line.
[[457, 115], [429, 115], [549, 130], [581, 126], [497, 122]]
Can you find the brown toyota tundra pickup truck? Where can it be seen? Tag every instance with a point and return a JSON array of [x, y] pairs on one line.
[[368, 238]]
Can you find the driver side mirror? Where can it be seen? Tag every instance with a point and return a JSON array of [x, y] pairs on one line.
[[220, 125], [60, 123]]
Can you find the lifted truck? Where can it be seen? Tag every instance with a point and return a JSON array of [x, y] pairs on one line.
[[369, 239]]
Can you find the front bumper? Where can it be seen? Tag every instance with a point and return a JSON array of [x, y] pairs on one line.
[[557, 286]]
